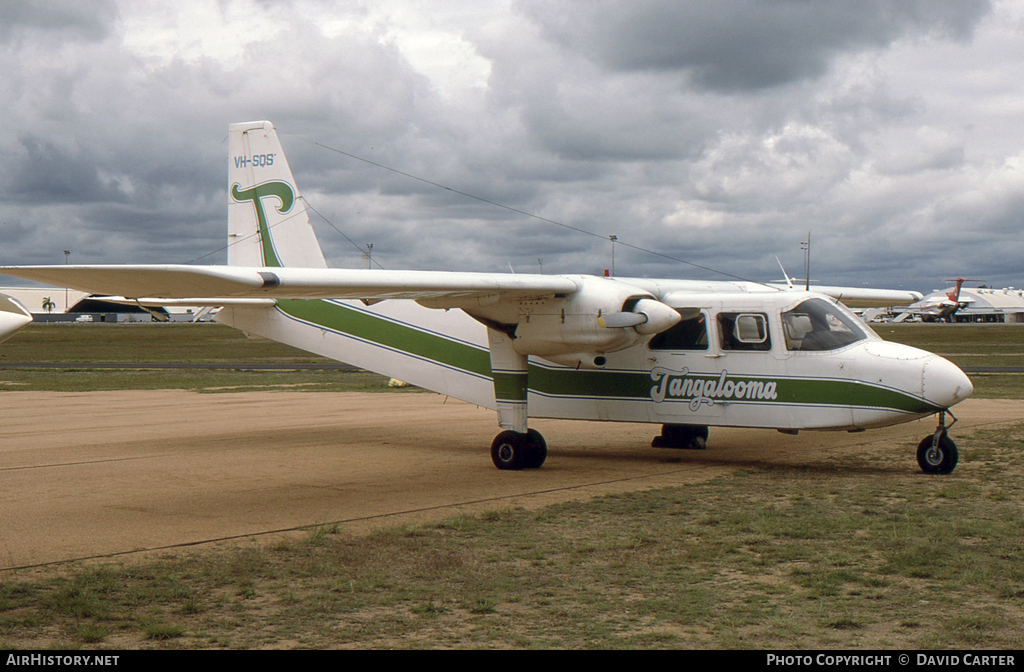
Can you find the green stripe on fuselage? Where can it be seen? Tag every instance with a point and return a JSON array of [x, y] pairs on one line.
[[848, 393], [575, 383], [382, 331], [802, 391]]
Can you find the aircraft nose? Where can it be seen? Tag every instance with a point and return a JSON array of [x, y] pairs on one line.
[[943, 383]]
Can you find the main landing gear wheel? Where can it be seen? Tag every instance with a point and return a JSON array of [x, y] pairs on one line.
[[685, 437], [514, 451], [937, 455]]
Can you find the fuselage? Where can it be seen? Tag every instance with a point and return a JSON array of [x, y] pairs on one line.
[[748, 357]]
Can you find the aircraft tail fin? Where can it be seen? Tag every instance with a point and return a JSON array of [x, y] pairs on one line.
[[267, 220], [789, 280], [954, 296]]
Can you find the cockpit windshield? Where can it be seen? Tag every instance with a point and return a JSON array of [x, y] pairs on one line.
[[817, 325]]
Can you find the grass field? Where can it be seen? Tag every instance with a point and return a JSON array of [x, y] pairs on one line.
[[162, 344], [970, 345], [857, 555], [963, 344]]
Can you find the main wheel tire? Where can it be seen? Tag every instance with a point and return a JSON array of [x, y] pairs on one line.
[[537, 451], [685, 437], [940, 458], [513, 451]]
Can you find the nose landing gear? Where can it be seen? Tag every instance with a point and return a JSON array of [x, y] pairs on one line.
[[937, 454]]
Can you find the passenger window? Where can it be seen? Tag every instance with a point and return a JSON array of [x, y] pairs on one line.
[[744, 331], [690, 333]]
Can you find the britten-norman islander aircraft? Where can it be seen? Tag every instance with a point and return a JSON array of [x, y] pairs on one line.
[[683, 354]]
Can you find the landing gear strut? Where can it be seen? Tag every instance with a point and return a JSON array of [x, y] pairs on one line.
[[937, 454], [515, 450], [686, 437]]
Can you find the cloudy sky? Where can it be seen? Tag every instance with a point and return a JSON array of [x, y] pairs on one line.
[[715, 132]]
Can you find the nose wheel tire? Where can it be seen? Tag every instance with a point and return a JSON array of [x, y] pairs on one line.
[[937, 455], [513, 451]]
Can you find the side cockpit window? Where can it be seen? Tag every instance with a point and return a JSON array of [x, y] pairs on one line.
[[816, 325], [690, 333], [744, 331]]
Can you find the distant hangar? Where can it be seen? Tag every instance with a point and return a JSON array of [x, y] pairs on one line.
[[53, 304], [967, 304], [992, 305]]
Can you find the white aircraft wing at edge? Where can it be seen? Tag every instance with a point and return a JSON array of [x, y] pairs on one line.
[[864, 296], [234, 282], [222, 285]]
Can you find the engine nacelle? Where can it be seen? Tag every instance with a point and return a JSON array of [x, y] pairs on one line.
[[602, 316]]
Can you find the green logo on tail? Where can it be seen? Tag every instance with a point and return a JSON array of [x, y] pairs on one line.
[[281, 191]]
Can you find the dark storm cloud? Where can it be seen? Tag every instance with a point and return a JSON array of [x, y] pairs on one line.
[[47, 173], [747, 44], [90, 20]]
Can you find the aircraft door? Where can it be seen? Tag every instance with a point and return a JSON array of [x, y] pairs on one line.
[[749, 367], [816, 336], [684, 369]]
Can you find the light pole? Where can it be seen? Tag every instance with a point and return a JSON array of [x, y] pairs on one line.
[[613, 239], [806, 247], [67, 253]]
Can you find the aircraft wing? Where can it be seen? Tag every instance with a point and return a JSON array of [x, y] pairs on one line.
[[227, 283], [223, 285], [864, 297]]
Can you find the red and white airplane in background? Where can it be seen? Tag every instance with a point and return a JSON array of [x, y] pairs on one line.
[[940, 308]]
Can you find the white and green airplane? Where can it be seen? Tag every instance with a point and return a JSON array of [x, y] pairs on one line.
[[683, 354]]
